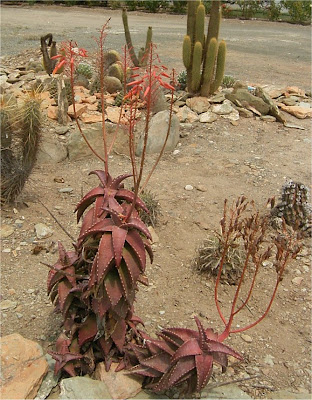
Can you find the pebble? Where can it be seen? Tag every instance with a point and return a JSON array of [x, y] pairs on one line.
[[246, 338], [6, 231], [162, 312], [7, 304], [267, 263], [188, 187], [11, 292], [268, 359], [175, 152], [66, 190], [43, 231], [7, 250], [201, 188], [19, 315], [297, 280]]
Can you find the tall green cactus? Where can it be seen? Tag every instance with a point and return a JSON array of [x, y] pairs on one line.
[[203, 58], [141, 60]]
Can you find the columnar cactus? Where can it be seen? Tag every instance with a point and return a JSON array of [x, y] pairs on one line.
[[141, 60], [203, 57]]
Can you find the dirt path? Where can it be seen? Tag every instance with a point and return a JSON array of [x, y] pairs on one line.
[[258, 51]]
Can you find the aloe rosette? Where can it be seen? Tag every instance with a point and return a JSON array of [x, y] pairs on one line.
[[180, 357], [94, 285]]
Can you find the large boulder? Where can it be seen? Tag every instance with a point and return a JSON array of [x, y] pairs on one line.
[[23, 367], [157, 134]]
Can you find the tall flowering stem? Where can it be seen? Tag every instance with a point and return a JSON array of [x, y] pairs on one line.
[[253, 232], [145, 86]]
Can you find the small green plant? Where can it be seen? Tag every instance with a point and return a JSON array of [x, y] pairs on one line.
[[249, 8], [151, 217], [228, 81], [299, 11], [179, 6], [84, 69], [274, 10], [182, 77]]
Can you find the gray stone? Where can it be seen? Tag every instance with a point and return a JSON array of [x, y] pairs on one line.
[[145, 394], [222, 109], [77, 147], [81, 387], [232, 116], [243, 97], [268, 118], [218, 98], [288, 101], [61, 130], [225, 392], [51, 151], [43, 231], [185, 114], [207, 117], [157, 134], [160, 102], [66, 190], [49, 381]]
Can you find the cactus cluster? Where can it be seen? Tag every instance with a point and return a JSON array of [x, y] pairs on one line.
[[203, 57]]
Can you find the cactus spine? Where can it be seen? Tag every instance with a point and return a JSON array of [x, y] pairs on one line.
[[207, 76], [141, 60]]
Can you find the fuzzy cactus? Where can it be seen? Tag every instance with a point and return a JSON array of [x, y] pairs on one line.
[[207, 76]]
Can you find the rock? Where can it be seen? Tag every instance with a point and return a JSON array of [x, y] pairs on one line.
[[243, 97], [7, 305], [66, 190], [188, 187], [52, 112], [120, 385], [207, 117], [198, 104], [49, 381], [51, 150], [80, 109], [157, 134], [113, 114], [287, 394], [288, 101], [231, 391], [155, 238], [90, 99], [81, 387], [146, 395], [201, 188], [23, 367], [295, 126], [268, 359], [232, 116], [275, 93], [268, 118], [77, 147], [6, 231], [246, 338], [297, 111], [160, 102], [222, 109], [185, 114], [244, 112], [91, 118], [61, 130], [43, 231], [297, 280], [218, 98], [112, 84], [82, 80]]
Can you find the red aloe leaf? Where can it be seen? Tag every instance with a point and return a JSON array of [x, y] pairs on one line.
[[143, 279], [137, 244], [189, 348], [221, 359], [118, 240], [100, 202], [202, 334], [125, 280], [113, 287], [124, 194], [180, 335], [69, 367], [105, 180], [54, 277], [105, 225], [149, 250], [63, 292], [136, 223], [217, 347], [106, 344], [182, 367], [74, 346], [114, 205], [70, 275], [140, 352], [156, 346], [116, 181], [204, 363], [101, 306], [159, 362], [105, 256], [121, 309], [88, 330], [119, 334], [93, 274], [171, 341], [132, 264], [87, 223], [211, 334], [62, 359], [87, 200]]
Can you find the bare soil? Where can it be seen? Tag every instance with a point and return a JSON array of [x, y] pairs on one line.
[[254, 158]]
